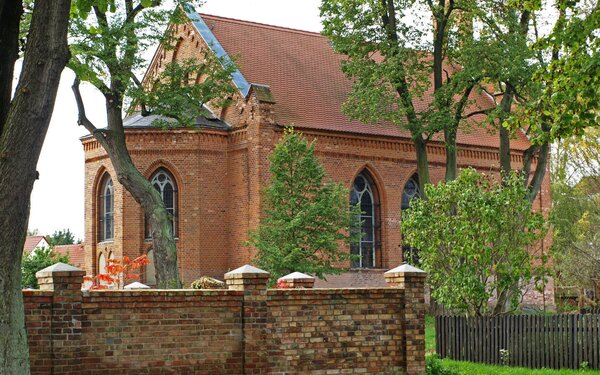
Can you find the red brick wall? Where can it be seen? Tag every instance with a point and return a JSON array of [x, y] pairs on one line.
[[247, 331], [38, 317], [334, 329]]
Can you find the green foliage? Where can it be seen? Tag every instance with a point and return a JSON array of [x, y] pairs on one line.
[[569, 75], [435, 366], [61, 237], [107, 49], [390, 60], [575, 214], [37, 261], [305, 219], [473, 237], [173, 92]]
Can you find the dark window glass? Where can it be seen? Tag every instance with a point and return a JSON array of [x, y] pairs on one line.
[[411, 191], [363, 193], [165, 185], [106, 209]]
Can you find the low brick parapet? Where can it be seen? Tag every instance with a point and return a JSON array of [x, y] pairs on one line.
[[247, 329]]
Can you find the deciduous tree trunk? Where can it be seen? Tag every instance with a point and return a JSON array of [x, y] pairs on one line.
[[113, 140], [165, 250], [22, 132]]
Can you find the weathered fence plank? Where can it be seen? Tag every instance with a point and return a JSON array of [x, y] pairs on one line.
[[557, 341]]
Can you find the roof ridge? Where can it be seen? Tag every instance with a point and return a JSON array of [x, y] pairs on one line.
[[263, 25]]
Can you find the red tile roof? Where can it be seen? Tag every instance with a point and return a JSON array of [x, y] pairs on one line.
[[307, 83], [31, 242], [75, 253]]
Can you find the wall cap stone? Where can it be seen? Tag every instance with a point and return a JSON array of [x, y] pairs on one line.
[[59, 268], [402, 269], [297, 276], [136, 285], [247, 271]]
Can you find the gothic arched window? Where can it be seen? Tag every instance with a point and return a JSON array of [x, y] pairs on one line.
[[365, 195], [164, 183], [411, 191], [106, 203]]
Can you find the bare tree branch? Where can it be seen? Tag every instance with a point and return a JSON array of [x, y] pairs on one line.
[[82, 120]]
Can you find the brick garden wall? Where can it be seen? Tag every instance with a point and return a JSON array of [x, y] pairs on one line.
[[246, 329]]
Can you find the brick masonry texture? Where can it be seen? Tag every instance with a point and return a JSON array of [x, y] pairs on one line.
[[220, 173], [250, 330]]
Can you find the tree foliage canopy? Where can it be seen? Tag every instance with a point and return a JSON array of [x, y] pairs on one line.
[[36, 261], [575, 214], [473, 237], [61, 237], [306, 219]]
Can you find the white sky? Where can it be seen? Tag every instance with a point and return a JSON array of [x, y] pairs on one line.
[[57, 201]]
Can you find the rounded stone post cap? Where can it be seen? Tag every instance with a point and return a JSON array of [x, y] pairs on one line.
[[296, 276], [404, 268], [246, 272], [136, 285], [59, 269]]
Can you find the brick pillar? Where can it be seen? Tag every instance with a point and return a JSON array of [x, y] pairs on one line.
[[247, 278], [412, 281], [253, 282], [296, 280], [65, 281]]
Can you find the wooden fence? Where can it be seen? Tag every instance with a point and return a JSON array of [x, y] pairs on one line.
[[534, 341]]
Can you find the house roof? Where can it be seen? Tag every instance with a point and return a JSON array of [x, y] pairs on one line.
[[75, 252], [304, 75], [138, 121], [31, 242]]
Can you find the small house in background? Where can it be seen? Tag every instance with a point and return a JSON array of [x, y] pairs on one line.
[[35, 242], [75, 252]]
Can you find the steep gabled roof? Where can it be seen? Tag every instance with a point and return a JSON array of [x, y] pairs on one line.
[[31, 242], [304, 75]]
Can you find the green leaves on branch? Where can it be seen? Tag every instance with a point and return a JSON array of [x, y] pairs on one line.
[[569, 77], [476, 238], [306, 219], [182, 88], [36, 261]]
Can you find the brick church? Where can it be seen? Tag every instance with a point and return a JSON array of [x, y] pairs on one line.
[[211, 176]]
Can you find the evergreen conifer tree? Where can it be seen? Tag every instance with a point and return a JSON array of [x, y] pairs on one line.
[[306, 220]]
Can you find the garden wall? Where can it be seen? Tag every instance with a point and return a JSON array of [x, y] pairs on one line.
[[247, 329]]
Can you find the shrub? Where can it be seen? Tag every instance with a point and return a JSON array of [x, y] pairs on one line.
[[36, 261]]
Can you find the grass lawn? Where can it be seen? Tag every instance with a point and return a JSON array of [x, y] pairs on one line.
[[470, 368]]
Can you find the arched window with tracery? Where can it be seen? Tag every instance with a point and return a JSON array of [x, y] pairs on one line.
[[106, 210], [364, 193], [411, 191], [165, 184]]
